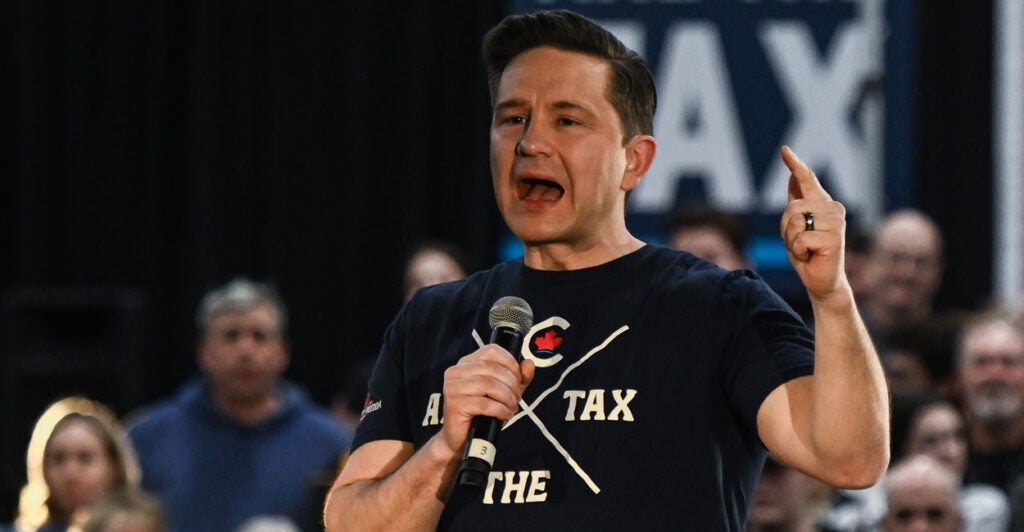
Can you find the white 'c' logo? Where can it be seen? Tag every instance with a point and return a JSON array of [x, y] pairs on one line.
[[555, 358]]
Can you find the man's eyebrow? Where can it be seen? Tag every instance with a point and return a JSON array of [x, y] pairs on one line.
[[560, 104], [509, 104], [567, 104]]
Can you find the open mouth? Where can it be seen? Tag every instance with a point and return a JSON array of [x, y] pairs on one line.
[[531, 189]]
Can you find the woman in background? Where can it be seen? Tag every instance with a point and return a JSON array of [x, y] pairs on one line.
[[934, 426], [77, 455]]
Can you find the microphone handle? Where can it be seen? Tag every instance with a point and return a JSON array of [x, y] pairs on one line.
[[481, 446]]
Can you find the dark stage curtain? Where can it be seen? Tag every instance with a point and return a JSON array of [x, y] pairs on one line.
[[954, 162], [153, 150]]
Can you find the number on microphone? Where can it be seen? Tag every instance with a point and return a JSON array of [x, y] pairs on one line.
[[483, 450]]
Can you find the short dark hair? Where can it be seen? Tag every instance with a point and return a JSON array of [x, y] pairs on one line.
[[931, 341], [906, 409], [631, 91], [699, 215]]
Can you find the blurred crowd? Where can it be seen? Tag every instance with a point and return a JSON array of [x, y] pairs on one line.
[[955, 376], [241, 448]]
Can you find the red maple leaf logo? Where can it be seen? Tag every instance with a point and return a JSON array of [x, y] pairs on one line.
[[548, 342]]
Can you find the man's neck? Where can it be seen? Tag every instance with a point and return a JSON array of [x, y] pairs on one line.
[[567, 256], [249, 410], [992, 439]]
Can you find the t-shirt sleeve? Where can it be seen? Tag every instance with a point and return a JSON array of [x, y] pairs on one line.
[[384, 415], [769, 344]]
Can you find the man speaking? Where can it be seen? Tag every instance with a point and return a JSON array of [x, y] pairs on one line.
[[652, 384]]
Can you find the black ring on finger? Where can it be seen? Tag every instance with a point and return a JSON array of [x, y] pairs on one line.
[[809, 221]]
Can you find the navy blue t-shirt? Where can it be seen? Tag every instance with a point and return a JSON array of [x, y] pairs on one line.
[[642, 414]]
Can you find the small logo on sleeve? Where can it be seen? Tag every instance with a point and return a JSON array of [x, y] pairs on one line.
[[370, 406]]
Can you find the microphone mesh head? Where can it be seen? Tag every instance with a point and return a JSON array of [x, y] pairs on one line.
[[511, 311]]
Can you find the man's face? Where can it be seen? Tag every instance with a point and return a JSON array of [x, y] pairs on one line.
[[921, 507], [243, 353], [783, 498], [557, 158], [992, 355], [939, 432], [906, 266]]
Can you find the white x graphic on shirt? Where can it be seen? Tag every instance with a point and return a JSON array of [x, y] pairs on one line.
[[527, 409]]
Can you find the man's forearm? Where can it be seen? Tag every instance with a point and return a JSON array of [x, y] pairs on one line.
[[850, 403], [411, 497]]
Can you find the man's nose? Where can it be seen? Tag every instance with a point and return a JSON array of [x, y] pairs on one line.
[[247, 341], [533, 142]]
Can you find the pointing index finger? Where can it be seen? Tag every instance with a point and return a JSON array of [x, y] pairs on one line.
[[803, 184]]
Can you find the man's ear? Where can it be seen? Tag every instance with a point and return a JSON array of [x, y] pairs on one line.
[[640, 151], [201, 353], [286, 355]]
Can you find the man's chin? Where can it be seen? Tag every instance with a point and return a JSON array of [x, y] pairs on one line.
[[996, 413], [537, 238], [247, 392], [899, 304]]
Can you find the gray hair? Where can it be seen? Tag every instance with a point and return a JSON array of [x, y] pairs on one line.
[[240, 294], [993, 316]]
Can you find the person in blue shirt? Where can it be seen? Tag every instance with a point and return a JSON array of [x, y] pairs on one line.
[[239, 446]]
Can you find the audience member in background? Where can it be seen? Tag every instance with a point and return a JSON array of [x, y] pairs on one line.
[[925, 424], [921, 495], [933, 426], [126, 511], [905, 270], [710, 234], [432, 262], [858, 259], [77, 455], [786, 500], [918, 359], [991, 364], [239, 444]]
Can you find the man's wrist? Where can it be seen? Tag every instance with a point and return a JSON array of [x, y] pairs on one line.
[[441, 452], [837, 302]]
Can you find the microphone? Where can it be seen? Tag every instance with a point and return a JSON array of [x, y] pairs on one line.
[[510, 319]]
